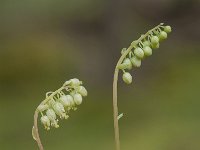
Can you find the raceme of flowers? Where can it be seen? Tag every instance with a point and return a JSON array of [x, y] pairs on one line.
[[59, 103], [142, 48]]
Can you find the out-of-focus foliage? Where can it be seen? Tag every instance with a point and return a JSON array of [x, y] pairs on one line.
[[43, 43]]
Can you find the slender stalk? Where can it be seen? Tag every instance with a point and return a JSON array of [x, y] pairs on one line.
[[35, 126], [37, 136], [115, 81], [115, 107], [115, 110]]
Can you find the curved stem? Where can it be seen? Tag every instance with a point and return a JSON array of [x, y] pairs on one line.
[[115, 107], [35, 126], [115, 81], [37, 137]]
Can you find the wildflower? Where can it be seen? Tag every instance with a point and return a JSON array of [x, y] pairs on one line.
[[142, 48], [77, 98], [127, 78]]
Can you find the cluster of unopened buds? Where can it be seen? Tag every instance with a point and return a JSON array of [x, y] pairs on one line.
[[60, 102], [142, 48]]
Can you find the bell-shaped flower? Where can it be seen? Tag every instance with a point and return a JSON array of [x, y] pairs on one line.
[[127, 78], [75, 82], [136, 61], [82, 90], [52, 117], [46, 122], [78, 98], [139, 52], [66, 100], [59, 110], [71, 99]]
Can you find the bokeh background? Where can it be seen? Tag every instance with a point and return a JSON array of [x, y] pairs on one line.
[[44, 43]]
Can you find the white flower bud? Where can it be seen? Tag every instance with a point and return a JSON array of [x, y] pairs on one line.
[[42, 107], [136, 61], [123, 50], [127, 78], [75, 82], [71, 99], [59, 110], [78, 99], [128, 62], [146, 43], [147, 51], [82, 90], [155, 46], [51, 115], [139, 52], [123, 66], [46, 122], [154, 40], [167, 29], [162, 35], [65, 100]]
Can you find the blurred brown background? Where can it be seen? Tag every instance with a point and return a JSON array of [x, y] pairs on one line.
[[43, 43]]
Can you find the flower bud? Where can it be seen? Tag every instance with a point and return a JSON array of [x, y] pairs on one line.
[[162, 35], [155, 46], [146, 43], [75, 82], [77, 98], [51, 115], [46, 122], [71, 99], [66, 100], [147, 51], [58, 108], [123, 50], [42, 107], [82, 90], [154, 40], [123, 66], [127, 78], [167, 29], [128, 63], [139, 52], [136, 61]]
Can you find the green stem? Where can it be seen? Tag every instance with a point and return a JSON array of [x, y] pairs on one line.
[[115, 81], [35, 126]]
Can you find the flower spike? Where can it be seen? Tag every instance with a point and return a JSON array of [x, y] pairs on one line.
[[141, 48], [58, 105], [132, 57]]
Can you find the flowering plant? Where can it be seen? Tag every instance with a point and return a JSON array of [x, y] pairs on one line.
[[132, 57], [59, 104]]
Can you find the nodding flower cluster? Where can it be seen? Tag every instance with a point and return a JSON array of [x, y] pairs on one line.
[[59, 104], [142, 48]]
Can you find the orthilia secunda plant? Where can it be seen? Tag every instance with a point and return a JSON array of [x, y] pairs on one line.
[[132, 57], [57, 105]]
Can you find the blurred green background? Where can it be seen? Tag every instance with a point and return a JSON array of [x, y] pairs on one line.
[[44, 43]]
